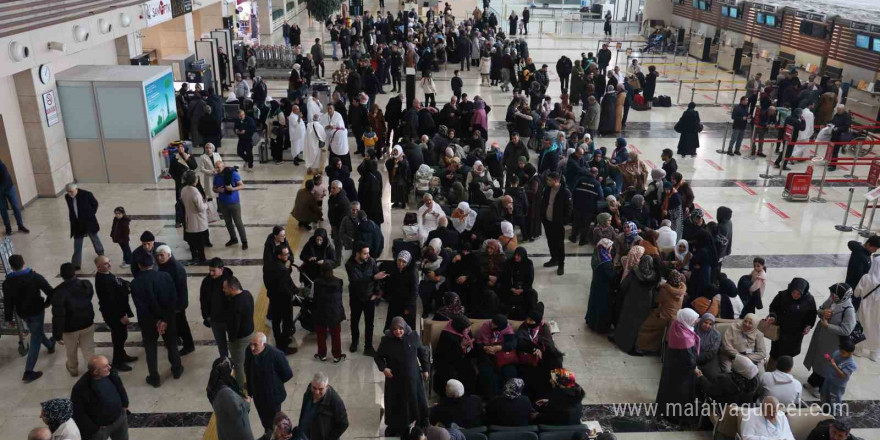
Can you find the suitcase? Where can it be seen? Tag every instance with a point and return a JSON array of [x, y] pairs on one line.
[[263, 147]]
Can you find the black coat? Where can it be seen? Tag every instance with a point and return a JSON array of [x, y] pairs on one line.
[[401, 287], [450, 362], [269, 248], [465, 411], [89, 412], [280, 288], [338, 207], [327, 307], [561, 206], [563, 407], [448, 237], [859, 263], [266, 374], [677, 379], [113, 297], [72, 308], [370, 194], [22, 294], [792, 317], [240, 316], [155, 297], [213, 301], [330, 420], [178, 274], [404, 393], [87, 206], [689, 126]]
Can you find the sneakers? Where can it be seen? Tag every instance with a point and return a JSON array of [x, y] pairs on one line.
[[339, 359], [320, 357], [30, 376], [124, 265]]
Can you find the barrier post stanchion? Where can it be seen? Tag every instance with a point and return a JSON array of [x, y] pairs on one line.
[[693, 92], [867, 231], [861, 226], [818, 198], [752, 145], [724, 139], [717, 91], [678, 97], [767, 174], [843, 226], [852, 172]]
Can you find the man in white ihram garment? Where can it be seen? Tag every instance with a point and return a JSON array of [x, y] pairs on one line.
[[297, 128], [336, 136], [314, 107], [312, 153]]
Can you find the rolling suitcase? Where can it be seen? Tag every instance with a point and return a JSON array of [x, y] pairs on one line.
[[263, 150]]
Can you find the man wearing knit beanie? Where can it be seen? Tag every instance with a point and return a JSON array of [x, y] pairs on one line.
[[147, 248]]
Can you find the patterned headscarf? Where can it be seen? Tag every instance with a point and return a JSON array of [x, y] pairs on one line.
[[604, 247], [57, 411], [674, 278], [513, 388], [632, 259], [697, 213], [633, 233], [563, 378], [603, 219], [840, 292], [405, 256]]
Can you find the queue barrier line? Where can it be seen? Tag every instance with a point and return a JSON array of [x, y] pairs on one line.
[[873, 121]]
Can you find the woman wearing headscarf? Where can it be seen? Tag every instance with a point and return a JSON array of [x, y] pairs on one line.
[[453, 355], [794, 311], [479, 180], [685, 191], [195, 231], [377, 122], [689, 126], [633, 171], [710, 345], [743, 338], [328, 313], [636, 291], [700, 282], [649, 242], [404, 362], [598, 317], [534, 191], [314, 253], [608, 117], [495, 354], [868, 290], [677, 379], [626, 240], [538, 354], [563, 404], [398, 177], [370, 191], [451, 307], [837, 318], [463, 220], [465, 410], [492, 264], [668, 302], [401, 289], [636, 211], [511, 408], [577, 83], [740, 386], [229, 403], [516, 291], [671, 208], [57, 414], [337, 171], [479, 121], [603, 228], [682, 257], [508, 237]]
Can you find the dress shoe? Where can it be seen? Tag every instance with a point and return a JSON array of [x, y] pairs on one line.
[[187, 350], [177, 373], [737, 153], [129, 359], [551, 263], [730, 153], [51, 349], [232, 242], [24, 230], [290, 350], [121, 367], [354, 346], [369, 351], [560, 270], [30, 376], [244, 246], [762, 155], [154, 381]]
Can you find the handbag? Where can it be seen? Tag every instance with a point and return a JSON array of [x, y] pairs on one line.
[[858, 332], [529, 359], [505, 358], [212, 214]]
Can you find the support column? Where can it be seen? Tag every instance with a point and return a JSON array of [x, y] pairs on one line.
[[47, 146], [264, 20]]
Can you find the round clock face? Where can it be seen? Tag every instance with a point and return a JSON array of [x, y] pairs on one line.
[[45, 74]]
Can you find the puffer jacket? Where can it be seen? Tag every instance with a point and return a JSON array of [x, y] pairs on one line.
[[72, 307]]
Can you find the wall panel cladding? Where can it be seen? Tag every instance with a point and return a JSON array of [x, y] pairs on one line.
[[793, 37], [843, 48]]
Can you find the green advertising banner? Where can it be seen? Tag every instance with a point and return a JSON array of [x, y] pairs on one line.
[[161, 107]]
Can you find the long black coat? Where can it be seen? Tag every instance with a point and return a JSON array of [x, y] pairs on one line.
[[327, 308], [792, 317], [637, 296], [266, 374], [465, 411], [677, 379], [450, 362], [370, 193], [689, 126], [608, 115], [87, 206], [404, 393], [280, 288]]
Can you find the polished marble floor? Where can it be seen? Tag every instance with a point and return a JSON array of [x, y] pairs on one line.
[[797, 238]]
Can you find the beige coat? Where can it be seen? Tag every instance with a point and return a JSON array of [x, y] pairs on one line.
[[196, 209], [206, 167], [67, 431], [734, 342]]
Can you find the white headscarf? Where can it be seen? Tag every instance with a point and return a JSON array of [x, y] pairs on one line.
[[507, 229], [874, 272], [469, 219], [680, 256], [454, 389], [436, 244], [479, 168], [396, 151], [744, 367], [687, 317]]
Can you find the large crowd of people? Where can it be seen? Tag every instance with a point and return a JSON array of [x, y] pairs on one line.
[[657, 280]]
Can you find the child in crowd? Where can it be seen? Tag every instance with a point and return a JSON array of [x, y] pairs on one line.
[[755, 284], [119, 234], [370, 139], [840, 369]]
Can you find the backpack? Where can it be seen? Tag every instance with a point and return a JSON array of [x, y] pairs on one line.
[[662, 101]]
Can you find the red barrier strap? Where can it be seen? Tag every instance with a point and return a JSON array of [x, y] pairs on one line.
[[873, 121]]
